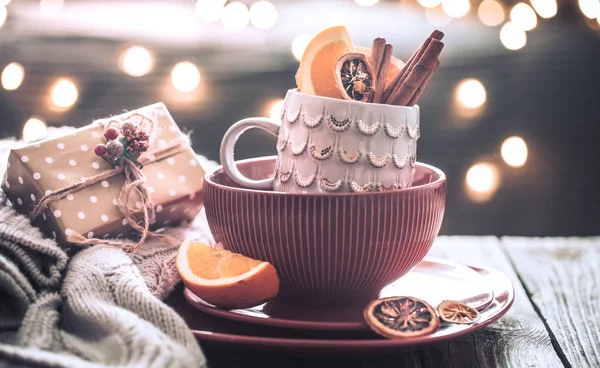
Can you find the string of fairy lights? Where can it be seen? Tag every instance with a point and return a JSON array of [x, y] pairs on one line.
[[482, 179]]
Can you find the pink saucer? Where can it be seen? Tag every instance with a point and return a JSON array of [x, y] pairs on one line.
[[432, 280], [215, 331]]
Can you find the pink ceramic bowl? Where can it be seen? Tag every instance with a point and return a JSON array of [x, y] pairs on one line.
[[327, 248]]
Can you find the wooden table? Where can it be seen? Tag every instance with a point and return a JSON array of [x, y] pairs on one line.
[[554, 322]]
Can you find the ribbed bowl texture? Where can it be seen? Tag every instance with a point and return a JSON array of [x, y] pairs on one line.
[[328, 249]]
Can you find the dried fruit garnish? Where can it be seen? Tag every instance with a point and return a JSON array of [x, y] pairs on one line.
[[456, 312], [354, 77], [401, 316]]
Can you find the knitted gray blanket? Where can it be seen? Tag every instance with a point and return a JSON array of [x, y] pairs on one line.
[[96, 307]]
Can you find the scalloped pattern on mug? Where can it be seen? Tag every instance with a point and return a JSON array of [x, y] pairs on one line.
[[392, 131], [380, 187], [320, 153], [284, 176], [357, 188], [311, 122], [378, 162], [305, 181], [413, 133], [282, 114], [367, 129], [298, 149], [291, 117], [413, 160], [330, 186], [400, 162], [281, 144], [338, 126], [349, 158]]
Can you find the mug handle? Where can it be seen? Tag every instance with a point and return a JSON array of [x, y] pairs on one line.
[[228, 146]]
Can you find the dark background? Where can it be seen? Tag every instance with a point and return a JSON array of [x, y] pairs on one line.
[[547, 92]]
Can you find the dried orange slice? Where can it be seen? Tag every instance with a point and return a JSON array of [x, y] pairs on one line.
[[354, 76], [395, 66], [401, 316], [225, 279], [456, 312], [315, 75]]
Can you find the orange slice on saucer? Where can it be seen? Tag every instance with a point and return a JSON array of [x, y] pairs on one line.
[[394, 69], [316, 75], [225, 279], [452, 311], [401, 317]]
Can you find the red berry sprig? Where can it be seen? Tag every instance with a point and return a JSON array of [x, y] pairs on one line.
[[129, 142], [111, 134]]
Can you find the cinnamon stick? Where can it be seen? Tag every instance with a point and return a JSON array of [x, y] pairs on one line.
[[383, 71], [407, 67], [377, 52], [410, 64], [415, 98], [403, 93]]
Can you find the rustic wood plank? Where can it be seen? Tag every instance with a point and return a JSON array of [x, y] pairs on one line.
[[519, 339], [562, 277]]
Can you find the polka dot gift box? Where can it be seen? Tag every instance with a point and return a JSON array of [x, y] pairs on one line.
[[79, 178]]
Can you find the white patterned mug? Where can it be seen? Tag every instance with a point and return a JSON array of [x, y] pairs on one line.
[[327, 145]]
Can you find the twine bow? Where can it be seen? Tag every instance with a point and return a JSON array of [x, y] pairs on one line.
[[133, 184]]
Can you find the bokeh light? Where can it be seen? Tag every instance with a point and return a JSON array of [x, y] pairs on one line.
[[210, 11], [456, 8], [12, 76], [4, 2], [136, 61], [235, 16], [366, 2], [263, 14], [514, 151], [299, 44], [491, 13], [429, 3], [437, 17], [51, 8], [482, 181], [523, 16], [3, 15], [185, 76], [545, 8], [512, 36], [34, 130], [590, 8], [480, 177], [64, 94], [274, 109], [471, 94]]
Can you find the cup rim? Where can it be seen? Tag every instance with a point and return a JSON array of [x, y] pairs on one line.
[[356, 103], [209, 174]]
